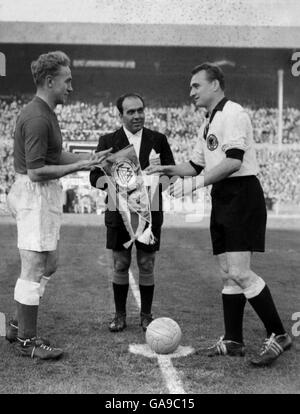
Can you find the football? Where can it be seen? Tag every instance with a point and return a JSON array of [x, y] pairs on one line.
[[163, 335]]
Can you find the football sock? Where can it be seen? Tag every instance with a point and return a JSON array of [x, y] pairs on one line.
[[146, 293], [266, 310], [233, 310], [27, 296], [43, 284], [15, 317], [27, 321], [120, 296]]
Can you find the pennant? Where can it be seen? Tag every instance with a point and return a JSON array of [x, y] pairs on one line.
[[124, 173]]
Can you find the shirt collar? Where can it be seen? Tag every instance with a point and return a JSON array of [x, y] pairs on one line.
[[219, 107], [131, 135], [44, 103]]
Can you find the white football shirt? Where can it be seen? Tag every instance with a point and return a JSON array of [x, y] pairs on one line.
[[230, 128]]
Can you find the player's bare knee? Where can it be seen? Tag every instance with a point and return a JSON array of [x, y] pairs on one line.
[[51, 267], [240, 276], [223, 267], [52, 263], [225, 277], [33, 266]]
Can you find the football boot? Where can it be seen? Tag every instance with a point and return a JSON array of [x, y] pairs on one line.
[[223, 347], [118, 323], [271, 349], [146, 319], [33, 348]]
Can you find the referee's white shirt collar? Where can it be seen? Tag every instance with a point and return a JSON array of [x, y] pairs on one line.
[[134, 139], [129, 135]]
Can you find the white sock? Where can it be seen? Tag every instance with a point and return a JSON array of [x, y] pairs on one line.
[[27, 292], [43, 284], [232, 290]]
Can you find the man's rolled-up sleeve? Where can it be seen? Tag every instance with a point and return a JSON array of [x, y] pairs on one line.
[[235, 131]]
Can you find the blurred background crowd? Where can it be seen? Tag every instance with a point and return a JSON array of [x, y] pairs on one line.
[[279, 166]]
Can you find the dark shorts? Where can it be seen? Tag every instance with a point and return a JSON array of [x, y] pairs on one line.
[[117, 236], [239, 215]]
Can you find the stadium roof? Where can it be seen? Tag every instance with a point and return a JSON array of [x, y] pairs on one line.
[[220, 23]]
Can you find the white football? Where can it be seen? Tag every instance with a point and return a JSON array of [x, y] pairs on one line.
[[163, 335]]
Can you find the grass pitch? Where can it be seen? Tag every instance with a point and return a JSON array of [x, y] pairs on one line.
[[78, 305]]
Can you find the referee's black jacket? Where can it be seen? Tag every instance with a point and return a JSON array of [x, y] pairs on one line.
[[150, 140]]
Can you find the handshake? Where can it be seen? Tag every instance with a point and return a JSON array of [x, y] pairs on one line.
[[182, 186]]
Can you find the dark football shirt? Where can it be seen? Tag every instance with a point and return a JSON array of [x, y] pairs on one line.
[[37, 138]]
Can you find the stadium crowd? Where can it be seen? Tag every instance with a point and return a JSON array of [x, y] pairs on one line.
[[280, 169]]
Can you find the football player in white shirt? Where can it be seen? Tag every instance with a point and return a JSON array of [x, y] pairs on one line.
[[225, 151]]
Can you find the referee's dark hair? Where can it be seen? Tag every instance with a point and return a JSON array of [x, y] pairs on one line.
[[121, 99], [48, 64], [213, 72]]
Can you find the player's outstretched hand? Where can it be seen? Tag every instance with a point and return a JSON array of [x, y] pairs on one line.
[[96, 159], [185, 186], [181, 188], [154, 169], [100, 156]]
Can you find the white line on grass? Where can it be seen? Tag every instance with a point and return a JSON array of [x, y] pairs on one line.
[[168, 371], [2, 324], [106, 261], [135, 290], [170, 375]]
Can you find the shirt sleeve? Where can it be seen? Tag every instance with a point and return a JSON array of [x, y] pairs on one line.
[[198, 153], [236, 131], [35, 142]]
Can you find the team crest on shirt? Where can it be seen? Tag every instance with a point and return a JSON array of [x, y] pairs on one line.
[[123, 172], [212, 142]]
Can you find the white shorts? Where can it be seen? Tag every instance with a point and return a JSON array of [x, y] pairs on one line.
[[37, 207]]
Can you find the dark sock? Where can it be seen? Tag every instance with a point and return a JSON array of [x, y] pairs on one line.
[[146, 293], [120, 296], [15, 317], [266, 310], [27, 320], [233, 308]]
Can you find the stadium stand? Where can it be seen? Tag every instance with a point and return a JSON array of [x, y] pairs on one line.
[[84, 122]]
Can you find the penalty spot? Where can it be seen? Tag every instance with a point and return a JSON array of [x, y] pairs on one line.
[[146, 351]]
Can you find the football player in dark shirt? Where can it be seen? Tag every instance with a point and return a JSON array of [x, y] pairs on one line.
[[35, 198]]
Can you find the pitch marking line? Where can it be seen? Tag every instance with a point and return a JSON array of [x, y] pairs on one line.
[[2, 324], [135, 290], [169, 373], [106, 261]]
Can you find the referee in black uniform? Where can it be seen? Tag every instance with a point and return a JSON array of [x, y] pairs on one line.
[[225, 151]]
